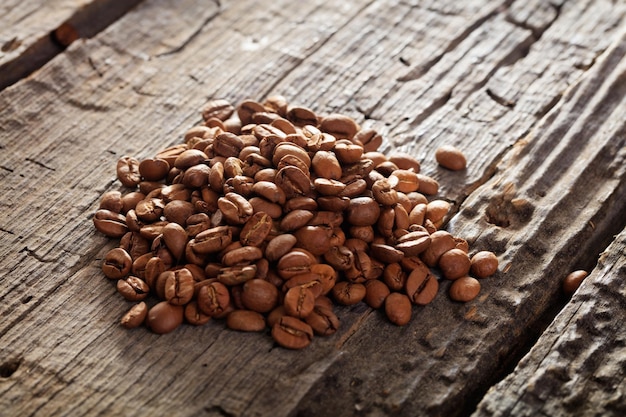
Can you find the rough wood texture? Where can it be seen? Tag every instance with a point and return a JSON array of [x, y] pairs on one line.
[[33, 31], [537, 110], [577, 366]]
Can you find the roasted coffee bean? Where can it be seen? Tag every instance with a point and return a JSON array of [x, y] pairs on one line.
[[418, 214], [259, 295], [135, 316], [440, 242], [164, 317], [464, 289], [326, 165], [340, 258], [189, 158], [218, 108], [242, 256], [237, 274], [235, 208], [130, 200], [293, 181], [110, 224], [133, 288], [421, 286], [294, 263], [245, 321], [405, 161], [451, 158], [279, 246], [370, 139], [414, 243], [375, 293], [212, 240], [112, 201], [117, 264], [299, 301], [194, 316], [270, 191], [572, 281], [436, 212], [398, 308], [149, 210], [292, 333], [154, 169], [363, 211], [315, 239], [427, 185], [394, 277], [135, 244], [175, 238], [295, 219], [323, 321], [213, 299], [256, 229], [128, 171], [454, 264], [179, 286], [484, 264], [348, 293]]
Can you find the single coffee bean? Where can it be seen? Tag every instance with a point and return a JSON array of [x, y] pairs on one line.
[[164, 317], [293, 263], [175, 238], [427, 185], [301, 116], [464, 246], [275, 315], [189, 158], [348, 152], [292, 333], [194, 316], [179, 286], [348, 293], [315, 239], [212, 240], [398, 308], [451, 158], [235, 208], [375, 293], [464, 289], [363, 211], [130, 200], [339, 125], [110, 224], [256, 229], [117, 264], [573, 280], [326, 165], [323, 321], [421, 286], [242, 256], [171, 153], [295, 219], [440, 242], [259, 295], [340, 257], [414, 243], [135, 316], [417, 215], [454, 264], [436, 212], [405, 161], [270, 191], [370, 139], [128, 171], [484, 264], [299, 301], [394, 277], [327, 276], [245, 321], [237, 274], [154, 169], [133, 288], [112, 201], [213, 299]]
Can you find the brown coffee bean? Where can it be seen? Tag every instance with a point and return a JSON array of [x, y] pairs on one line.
[[293, 181], [189, 158], [436, 212], [348, 293], [259, 295], [194, 316], [135, 316], [427, 185], [292, 333], [451, 158], [237, 274], [275, 315], [339, 125], [256, 229], [179, 286], [326, 165], [394, 277], [242, 256], [135, 244], [573, 280], [294, 263], [405, 161], [484, 264], [421, 286], [414, 243], [112, 201], [117, 264], [408, 181], [370, 139], [327, 276], [363, 211], [133, 288], [454, 264], [154, 169], [384, 193], [348, 152], [440, 242], [213, 299], [299, 301], [315, 239], [128, 171], [340, 257], [149, 210], [463, 245], [418, 214], [323, 321], [279, 246], [164, 317], [398, 308], [245, 321], [301, 116], [375, 293], [175, 238], [212, 240], [218, 108], [270, 191], [464, 289], [295, 219], [110, 224]]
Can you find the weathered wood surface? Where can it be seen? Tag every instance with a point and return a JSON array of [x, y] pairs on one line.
[[578, 365], [33, 31], [532, 92]]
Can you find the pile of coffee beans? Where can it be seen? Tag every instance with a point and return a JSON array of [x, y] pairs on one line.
[[268, 214]]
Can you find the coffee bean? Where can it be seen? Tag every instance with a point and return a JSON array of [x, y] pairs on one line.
[[213, 299], [164, 317], [299, 301], [245, 321], [398, 308], [128, 171], [375, 293], [484, 264], [117, 264], [133, 288], [259, 295], [451, 158], [110, 224], [421, 286], [218, 108], [440, 242], [454, 264], [348, 293], [572, 281], [179, 287], [135, 316], [193, 315], [464, 289], [323, 321], [292, 333]]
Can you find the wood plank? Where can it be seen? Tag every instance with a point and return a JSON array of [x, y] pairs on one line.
[[577, 366], [132, 91], [33, 31]]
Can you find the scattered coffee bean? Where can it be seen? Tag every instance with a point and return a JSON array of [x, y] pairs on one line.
[[573, 280], [451, 158], [267, 215]]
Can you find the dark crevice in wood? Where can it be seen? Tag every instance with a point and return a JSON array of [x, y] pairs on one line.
[[86, 22]]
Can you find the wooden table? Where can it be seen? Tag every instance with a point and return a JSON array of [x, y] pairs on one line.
[[532, 91]]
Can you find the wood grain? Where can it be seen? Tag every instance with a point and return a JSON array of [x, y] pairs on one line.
[[536, 110]]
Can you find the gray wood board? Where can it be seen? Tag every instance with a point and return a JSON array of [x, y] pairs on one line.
[[536, 110]]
